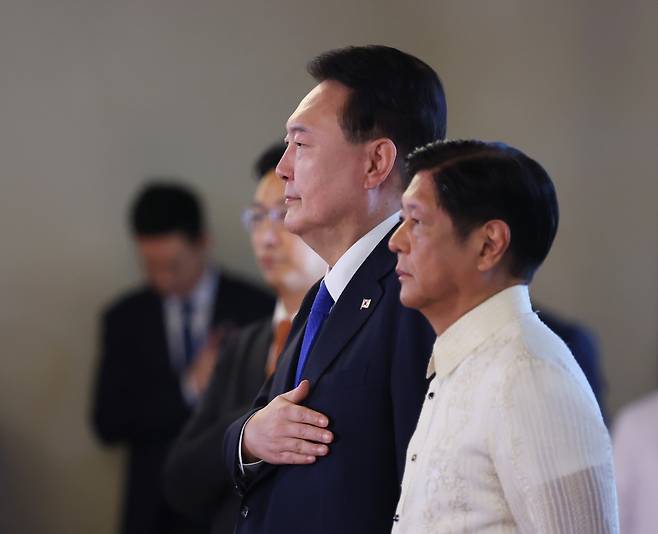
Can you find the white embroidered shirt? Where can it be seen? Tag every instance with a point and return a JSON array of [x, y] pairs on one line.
[[510, 438]]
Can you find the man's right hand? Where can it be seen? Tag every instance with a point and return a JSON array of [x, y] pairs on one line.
[[283, 432]]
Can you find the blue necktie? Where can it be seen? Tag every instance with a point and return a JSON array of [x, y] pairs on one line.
[[319, 311], [188, 340]]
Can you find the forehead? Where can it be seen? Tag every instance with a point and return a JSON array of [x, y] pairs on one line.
[[421, 192], [165, 244], [319, 108], [270, 190]]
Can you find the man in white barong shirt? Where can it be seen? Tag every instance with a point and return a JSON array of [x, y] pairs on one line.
[[510, 437]]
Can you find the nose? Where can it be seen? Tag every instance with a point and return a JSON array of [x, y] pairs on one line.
[[284, 169], [397, 242], [271, 232]]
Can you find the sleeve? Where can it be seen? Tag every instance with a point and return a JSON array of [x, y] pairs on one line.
[[551, 451], [584, 348], [413, 347], [624, 437], [125, 407], [233, 440], [195, 478]]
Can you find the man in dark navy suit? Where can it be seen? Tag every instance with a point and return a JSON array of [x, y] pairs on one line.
[[323, 448], [159, 345]]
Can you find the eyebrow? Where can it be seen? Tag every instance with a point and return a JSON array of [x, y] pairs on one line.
[[295, 128], [408, 204]]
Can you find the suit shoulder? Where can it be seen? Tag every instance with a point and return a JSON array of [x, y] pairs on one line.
[[129, 303], [237, 283], [255, 328], [231, 283]]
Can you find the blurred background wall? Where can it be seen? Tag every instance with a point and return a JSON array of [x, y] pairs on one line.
[[96, 96]]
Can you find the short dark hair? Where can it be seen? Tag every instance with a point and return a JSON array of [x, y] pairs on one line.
[[477, 182], [166, 207], [393, 94], [269, 159]]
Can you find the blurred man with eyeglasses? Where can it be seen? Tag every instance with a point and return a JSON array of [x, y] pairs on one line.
[[196, 481]]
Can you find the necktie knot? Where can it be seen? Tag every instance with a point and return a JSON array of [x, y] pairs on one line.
[[322, 303]]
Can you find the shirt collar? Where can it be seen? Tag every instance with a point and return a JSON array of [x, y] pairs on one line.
[[203, 293], [281, 313], [472, 328], [340, 275]]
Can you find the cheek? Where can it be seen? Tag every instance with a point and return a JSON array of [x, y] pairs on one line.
[[256, 242]]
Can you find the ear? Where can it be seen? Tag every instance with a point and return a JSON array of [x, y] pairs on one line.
[[495, 238], [381, 154]]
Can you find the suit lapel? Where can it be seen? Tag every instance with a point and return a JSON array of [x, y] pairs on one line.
[[156, 335], [220, 308], [346, 318], [354, 307]]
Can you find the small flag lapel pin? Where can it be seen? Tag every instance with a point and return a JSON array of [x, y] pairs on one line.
[[365, 304]]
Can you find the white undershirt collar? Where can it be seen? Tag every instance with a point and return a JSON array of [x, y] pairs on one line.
[[340, 275]]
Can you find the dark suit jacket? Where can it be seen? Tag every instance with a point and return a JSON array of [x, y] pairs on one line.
[[197, 482], [138, 400], [367, 372]]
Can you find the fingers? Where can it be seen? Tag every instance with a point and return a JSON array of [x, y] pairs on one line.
[[302, 414], [298, 394], [216, 336], [297, 451], [309, 433], [286, 433], [293, 458]]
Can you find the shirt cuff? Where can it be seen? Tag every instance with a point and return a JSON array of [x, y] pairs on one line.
[[246, 469]]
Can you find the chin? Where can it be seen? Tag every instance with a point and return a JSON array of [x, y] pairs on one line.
[[408, 299], [295, 223]]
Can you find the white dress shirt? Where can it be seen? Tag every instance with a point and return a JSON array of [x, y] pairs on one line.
[[202, 299], [635, 440], [348, 264], [510, 438], [336, 281]]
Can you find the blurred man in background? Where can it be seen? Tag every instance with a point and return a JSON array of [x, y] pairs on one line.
[[159, 345], [635, 444], [196, 481]]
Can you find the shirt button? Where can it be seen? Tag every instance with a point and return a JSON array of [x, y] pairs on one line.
[[396, 518], [430, 395], [244, 511], [413, 457]]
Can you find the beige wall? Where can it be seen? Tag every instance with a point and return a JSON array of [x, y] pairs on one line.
[[95, 96]]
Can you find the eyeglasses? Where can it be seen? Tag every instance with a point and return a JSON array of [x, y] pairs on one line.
[[255, 216]]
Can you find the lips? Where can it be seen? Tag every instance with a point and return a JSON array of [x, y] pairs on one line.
[[401, 273], [290, 195], [267, 262]]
